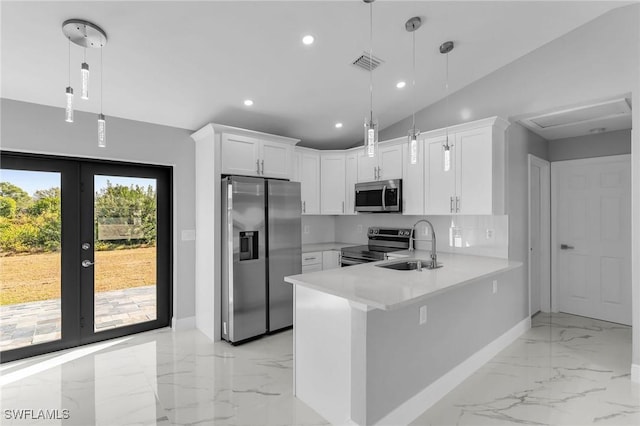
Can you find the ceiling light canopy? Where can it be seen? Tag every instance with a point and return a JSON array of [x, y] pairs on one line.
[[308, 39]]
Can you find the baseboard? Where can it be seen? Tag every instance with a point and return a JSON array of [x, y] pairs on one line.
[[410, 410], [635, 373], [183, 323]]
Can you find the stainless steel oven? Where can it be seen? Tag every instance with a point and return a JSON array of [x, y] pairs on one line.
[[379, 196], [381, 242]]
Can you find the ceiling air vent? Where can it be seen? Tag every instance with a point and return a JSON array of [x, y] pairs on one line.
[[363, 62], [581, 114]]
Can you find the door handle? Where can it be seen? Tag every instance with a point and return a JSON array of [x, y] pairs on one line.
[[566, 247], [379, 172], [384, 196], [304, 207], [262, 162], [375, 173], [343, 207], [451, 204], [258, 166], [86, 263], [457, 204]]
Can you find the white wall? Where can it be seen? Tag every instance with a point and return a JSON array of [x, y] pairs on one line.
[[599, 145], [41, 129], [319, 229]]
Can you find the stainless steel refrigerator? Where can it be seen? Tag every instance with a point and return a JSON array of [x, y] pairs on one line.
[[261, 244]]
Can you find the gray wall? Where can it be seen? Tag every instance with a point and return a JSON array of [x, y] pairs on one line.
[[599, 145], [36, 128], [461, 321]]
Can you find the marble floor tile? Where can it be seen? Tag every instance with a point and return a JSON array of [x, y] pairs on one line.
[[566, 370]]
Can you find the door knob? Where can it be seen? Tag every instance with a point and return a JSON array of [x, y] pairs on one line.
[[86, 263], [566, 247]]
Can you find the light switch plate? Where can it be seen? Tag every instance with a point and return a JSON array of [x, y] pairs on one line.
[[423, 315], [495, 286], [306, 229]]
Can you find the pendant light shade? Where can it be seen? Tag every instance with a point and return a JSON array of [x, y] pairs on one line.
[[411, 26], [68, 111], [102, 131], [370, 124], [445, 48], [84, 71]]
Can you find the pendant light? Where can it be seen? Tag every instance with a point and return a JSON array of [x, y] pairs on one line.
[[84, 74], [411, 26], [102, 124], [370, 125], [86, 35], [445, 48], [68, 111]]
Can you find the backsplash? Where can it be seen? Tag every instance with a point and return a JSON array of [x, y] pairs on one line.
[[318, 229], [475, 235]]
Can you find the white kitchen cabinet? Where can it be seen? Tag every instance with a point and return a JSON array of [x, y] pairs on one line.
[[252, 156], [351, 177], [310, 182], [330, 259], [413, 190], [312, 261], [387, 164], [475, 182], [332, 183]]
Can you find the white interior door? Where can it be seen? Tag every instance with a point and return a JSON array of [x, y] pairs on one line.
[[591, 245]]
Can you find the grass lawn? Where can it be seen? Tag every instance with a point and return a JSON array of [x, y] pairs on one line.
[[33, 277]]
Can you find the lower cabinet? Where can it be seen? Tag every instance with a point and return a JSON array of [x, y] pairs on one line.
[[311, 262], [330, 259], [320, 260]]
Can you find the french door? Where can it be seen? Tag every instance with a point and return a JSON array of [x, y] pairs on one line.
[[85, 252]]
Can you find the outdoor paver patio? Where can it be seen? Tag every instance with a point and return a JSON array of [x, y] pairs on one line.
[[37, 322]]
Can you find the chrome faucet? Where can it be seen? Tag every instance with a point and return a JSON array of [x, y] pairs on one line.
[[413, 239]]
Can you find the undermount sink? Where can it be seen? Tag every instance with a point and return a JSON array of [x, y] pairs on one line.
[[409, 265]]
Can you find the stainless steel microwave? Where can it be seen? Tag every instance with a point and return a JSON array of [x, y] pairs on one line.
[[379, 196]]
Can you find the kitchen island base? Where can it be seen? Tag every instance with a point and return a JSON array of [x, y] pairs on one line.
[[358, 365]]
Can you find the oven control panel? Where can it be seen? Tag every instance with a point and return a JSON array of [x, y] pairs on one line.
[[388, 232]]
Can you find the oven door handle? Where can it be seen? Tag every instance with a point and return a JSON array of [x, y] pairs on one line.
[[349, 262], [384, 195], [365, 258]]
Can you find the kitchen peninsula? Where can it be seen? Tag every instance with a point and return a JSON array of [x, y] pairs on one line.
[[378, 346]]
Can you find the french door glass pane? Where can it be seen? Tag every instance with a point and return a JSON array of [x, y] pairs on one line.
[[30, 267], [125, 223]]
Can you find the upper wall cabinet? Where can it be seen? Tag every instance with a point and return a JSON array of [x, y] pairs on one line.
[[351, 177], [253, 156], [472, 180], [413, 190], [386, 165], [308, 174], [332, 183]]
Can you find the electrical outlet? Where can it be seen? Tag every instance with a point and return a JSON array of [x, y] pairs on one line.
[[359, 229], [495, 286], [489, 234], [306, 229], [425, 231], [423, 315]]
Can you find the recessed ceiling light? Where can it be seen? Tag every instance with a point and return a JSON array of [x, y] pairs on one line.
[[598, 130], [338, 125], [401, 84], [248, 102], [308, 39]]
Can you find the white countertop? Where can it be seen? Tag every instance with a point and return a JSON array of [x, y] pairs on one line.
[[389, 289], [308, 248]]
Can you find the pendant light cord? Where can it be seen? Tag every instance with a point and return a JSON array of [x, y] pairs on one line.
[[371, 61], [69, 57], [413, 126], [447, 99], [101, 72]]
